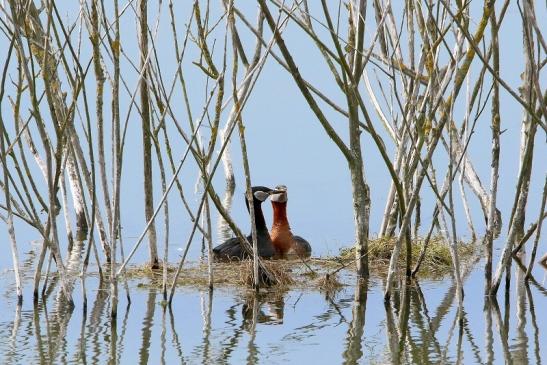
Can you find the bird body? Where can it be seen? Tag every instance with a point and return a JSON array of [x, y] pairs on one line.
[[233, 248]]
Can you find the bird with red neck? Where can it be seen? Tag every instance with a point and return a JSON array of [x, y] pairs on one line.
[[286, 244]]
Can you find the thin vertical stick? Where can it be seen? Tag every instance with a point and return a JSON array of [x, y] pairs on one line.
[[9, 220], [246, 169], [146, 132], [494, 174]]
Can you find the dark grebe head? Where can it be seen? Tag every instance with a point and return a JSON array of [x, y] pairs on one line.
[[260, 194]]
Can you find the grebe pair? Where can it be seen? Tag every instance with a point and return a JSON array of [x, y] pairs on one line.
[[277, 244]]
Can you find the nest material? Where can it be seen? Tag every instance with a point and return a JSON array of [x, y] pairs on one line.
[[315, 274], [277, 274], [437, 260]]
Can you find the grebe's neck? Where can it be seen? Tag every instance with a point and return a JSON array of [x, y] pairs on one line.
[[280, 213], [259, 218]]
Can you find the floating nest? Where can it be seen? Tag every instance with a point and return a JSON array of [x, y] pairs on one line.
[[437, 261], [326, 273], [285, 273]]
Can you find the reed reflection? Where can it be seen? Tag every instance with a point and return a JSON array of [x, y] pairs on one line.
[[235, 331], [265, 308], [163, 336], [80, 355], [459, 352], [489, 332], [12, 353], [503, 330], [427, 344], [404, 315], [471, 338], [206, 311], [397, 317], [147, 325], [392, 332], [95, 326], [520, 344], [250, 311], [412, 333], [38, 333], [120, 345], [56, 328], [113, 348], [537, 350], [354, 337], [175, 339]]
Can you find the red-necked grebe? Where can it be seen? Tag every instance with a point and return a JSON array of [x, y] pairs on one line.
[[284, 242]]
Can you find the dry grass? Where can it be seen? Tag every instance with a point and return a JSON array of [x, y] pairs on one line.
[[315, 274], [437, 261], [278, 272], [288, 274]]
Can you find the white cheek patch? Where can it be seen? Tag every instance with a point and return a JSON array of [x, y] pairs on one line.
[[279, 198], [261, 195]]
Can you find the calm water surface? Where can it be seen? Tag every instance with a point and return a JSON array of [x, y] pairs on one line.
[[299, 326]]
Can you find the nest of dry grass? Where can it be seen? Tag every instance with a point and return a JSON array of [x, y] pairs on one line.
[[286, 273], [437, 260], [276, 274], [313, 273]]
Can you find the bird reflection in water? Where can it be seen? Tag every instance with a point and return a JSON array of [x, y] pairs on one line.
[[264, 308]]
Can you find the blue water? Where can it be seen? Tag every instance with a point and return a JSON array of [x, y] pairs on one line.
[[234, 325]]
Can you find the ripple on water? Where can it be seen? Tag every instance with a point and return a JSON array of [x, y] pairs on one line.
[[420, 325]]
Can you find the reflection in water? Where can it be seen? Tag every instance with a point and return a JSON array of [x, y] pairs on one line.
[[94, 328], [392, 335], [38, 334], [80, 353], [263, 307], [12, 348], [206, 312], [420, 315], [470, 338], [421, 325], [503, 330], [250, 318], [236, 331], [353, 352], [537, 350], [175, 342], [260, 308], [489, 333], [147, 324], [520, 347]]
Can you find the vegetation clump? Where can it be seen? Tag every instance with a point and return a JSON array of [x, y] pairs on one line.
[[437, 259], [313, 273]]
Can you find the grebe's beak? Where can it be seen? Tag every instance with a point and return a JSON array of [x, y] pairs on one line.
[[279, 189]]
